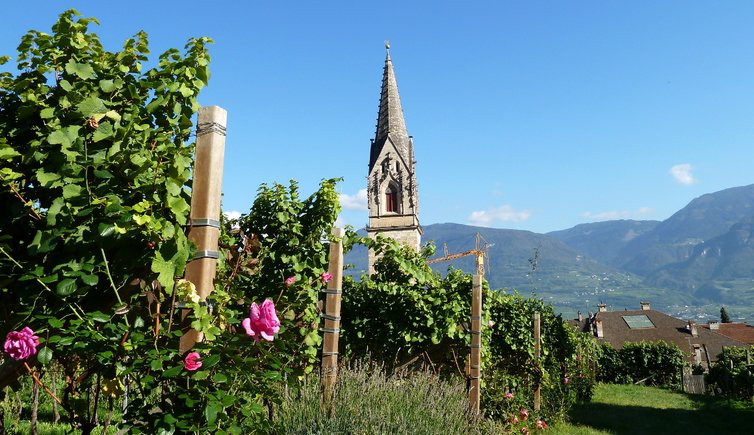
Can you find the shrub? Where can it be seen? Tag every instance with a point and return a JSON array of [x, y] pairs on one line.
[[731, 375], [407, 314], [565, 371], [369, 401], [652, 363]]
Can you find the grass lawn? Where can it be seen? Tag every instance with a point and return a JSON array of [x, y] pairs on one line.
[[632, 409]]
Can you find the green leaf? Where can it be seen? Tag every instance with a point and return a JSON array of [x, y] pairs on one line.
[[7, 152], [65, 136], [44, 356], [165, 271], [156, 365], [66, 287], [82, 70], [172, 371], [91, 106], [90, 279], [47, 113], [200, 375], [102, 173], [219, 378], [112, 114], [104, 130], [210, 412], [55, 323], [71, 190], [45, 178], [142, 219], [210, 361], [54, 210], [107, 85], [100, 317], [178, 205], [185, 91]]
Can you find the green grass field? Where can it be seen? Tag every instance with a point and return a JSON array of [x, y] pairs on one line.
[[631, 409]]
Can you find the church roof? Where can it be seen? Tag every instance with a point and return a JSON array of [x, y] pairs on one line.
[[390, 122]]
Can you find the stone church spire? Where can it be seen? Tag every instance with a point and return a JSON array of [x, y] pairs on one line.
[[391, 185], [390, 121]]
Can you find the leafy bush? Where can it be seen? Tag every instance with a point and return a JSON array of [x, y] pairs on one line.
[[95, 189], [731, 375], [652, 363], [565, 371], [407, 314]]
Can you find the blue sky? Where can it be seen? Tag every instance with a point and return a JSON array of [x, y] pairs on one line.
[[525, 115]]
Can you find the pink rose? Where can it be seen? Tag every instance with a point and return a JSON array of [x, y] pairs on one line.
[[191, 362], [566, 380], [289, 281], [540, 424], [524, 430], [524, 414], [508, 395], [513, 420], [22, 344], [262, 321], [326, 277]]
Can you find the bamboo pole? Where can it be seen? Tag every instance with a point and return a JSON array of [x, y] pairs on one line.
[[476, 343], [206, 194], [537, 354], [332, 321]]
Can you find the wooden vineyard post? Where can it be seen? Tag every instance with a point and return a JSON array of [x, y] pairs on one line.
[[476, 343], [331, 330], [537, 352], [206, 193]]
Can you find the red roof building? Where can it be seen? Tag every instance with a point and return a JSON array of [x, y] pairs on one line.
[[737, 331], [700, 344]]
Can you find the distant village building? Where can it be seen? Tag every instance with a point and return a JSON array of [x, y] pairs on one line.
[[700, 343], [391, 184]]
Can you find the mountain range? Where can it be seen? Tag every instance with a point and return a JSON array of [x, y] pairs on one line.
[[689, 265]]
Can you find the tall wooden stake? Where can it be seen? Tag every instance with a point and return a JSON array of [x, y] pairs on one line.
[[206, 194], [332, 321], [476, 343], [537, 352]]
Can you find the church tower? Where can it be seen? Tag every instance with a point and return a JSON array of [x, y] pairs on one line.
[[391, 184]]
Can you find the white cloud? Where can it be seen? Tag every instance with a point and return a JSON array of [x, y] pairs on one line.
[[233, 214], [504, 213], [354, 202], [682, 173], [340, 222], [616, 214]]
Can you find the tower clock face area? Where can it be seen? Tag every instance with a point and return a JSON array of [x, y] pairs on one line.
[[391, 185]]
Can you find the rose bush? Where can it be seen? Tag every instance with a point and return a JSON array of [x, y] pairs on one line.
[[94, 187]]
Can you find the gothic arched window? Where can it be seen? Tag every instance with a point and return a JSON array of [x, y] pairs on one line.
[[391, 199]]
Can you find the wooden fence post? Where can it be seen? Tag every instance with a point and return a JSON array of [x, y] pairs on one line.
[[331, 330], [206, 194], [537, 353], [476, 343]]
